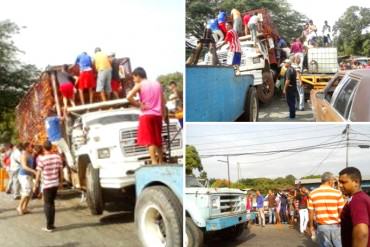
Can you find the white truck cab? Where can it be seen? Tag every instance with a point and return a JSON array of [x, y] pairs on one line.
[[103, 145]]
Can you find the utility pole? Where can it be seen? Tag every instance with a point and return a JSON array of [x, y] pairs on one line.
[[228, 167], [238, 170]]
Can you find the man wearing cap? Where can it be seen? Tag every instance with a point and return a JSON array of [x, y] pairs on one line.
[[325, 204], [104, 69], [290, 87]]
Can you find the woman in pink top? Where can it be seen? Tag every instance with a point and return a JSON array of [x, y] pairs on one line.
[[152, 109]]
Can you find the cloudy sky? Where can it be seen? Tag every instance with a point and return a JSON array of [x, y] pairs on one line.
[[149, 32], [220, 139], [321, 10]]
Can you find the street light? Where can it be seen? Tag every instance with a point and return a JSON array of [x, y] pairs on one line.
[[228, 167]]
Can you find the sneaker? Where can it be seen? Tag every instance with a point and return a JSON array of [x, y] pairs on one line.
[[45, 229]]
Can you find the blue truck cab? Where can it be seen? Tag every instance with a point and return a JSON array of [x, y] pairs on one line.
[[213, 211], [158, 209]]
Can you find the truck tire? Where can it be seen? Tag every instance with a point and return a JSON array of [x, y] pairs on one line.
[[251, 107], [158, 217], [265, 92], [233, 232], [194, 236], [94, 195]]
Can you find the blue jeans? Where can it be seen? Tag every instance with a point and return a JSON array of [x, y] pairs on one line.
[[272, 215], [329, 235]]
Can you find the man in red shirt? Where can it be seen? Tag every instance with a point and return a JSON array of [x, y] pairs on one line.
[[232, 39], [355, 217], [245, 23]]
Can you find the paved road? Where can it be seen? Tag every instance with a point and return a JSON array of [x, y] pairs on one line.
[[277, 111], [269, 236], [75, 226]]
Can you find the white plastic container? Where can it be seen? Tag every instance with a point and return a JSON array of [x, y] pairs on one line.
[[323, 60]]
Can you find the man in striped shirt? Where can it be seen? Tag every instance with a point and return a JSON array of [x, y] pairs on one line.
[[232, 38], [50, 167], [325, 204]]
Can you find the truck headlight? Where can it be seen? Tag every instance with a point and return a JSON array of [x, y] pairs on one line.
[[103, 153], [215, 202]]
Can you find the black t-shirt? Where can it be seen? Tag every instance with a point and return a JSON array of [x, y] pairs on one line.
[[291, 75], [64, 77], [115, 69]]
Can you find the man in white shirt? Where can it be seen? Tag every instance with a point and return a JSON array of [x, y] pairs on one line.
[[15, 164], [253, 25], [326, 34]]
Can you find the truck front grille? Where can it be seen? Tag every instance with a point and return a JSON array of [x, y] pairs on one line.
[[231, 204], [128, 140]]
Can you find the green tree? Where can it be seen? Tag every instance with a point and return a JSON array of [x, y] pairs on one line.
[[15, 79], [286, 20], [311, 176], [349, 29], [193, 161]]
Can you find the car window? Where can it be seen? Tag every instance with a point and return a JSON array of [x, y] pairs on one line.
[[331, 87], [344, 99]]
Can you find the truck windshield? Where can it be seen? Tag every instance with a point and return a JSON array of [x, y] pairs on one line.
[[115, 119], [191, 181]]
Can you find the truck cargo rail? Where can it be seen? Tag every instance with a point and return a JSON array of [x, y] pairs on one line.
[[95, 106]]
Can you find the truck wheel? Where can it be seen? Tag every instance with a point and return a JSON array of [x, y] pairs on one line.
[[94, 195], [265, 92], [251, 106], [194, 235], [158, 217], [233, 232]]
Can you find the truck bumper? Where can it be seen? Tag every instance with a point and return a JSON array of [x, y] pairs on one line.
[[225, 222]]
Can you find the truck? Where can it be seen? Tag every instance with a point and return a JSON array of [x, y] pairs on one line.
[[100, 137], [219, 211], [322, 66], [158, 209]]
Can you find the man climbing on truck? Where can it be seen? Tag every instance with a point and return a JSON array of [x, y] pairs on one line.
[[86, 79], [66, 86], [232, 38], [152, 104], [104, 70]]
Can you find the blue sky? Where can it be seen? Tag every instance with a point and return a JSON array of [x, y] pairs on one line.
[[149, 32], [241, 138]]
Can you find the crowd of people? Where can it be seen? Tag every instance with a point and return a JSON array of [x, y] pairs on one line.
[[103, 72], [34, 172], [337, 213]]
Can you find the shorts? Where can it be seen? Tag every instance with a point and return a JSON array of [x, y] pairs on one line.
[[150, 131], [222, 26], [326, 39], [67, 90], [115, 85], [26, 185], [234, 58], [103, 81], [86, 80]]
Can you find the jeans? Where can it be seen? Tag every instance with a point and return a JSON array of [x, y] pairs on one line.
[[283, 214], [49, 206], [290, 98], [303, 219], [271, 215], [300, 90], [253, 29], [329, 235], [13, 183], [261, 216]]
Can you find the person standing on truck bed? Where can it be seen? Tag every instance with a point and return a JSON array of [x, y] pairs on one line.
[[104, 69], [26, 174], [237, 21], [290, 87], [326, 33], [246, 19], [86, 79], [50, 167], [232, 39], [253, 25], [217, 34], [152, 104], [221, 18], [115, 82], [66, 86], [54, 131]]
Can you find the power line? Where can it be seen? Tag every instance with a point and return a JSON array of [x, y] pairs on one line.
[[264, 143]]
